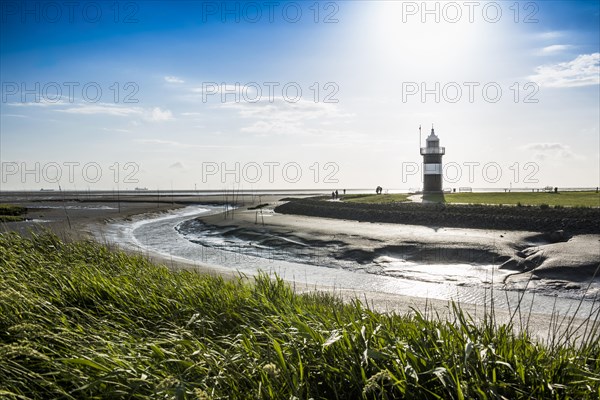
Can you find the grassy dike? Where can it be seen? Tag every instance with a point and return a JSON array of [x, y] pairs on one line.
[[565, 199], [78, 320], [561, 199], [375, 198]]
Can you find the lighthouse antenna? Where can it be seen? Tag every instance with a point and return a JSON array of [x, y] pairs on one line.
[[419, 137]]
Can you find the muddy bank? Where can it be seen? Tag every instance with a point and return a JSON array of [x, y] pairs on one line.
[[534, 219], [522, 256], [575, 260], [355, 252], [555, 259]]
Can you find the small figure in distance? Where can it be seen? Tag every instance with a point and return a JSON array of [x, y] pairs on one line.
[[345, 191], [555, 190], [336, 194], [332, 195]]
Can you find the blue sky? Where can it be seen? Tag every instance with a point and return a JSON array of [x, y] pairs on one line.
[[205, 94]]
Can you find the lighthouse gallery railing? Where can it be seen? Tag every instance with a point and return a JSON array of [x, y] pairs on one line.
[[433, 150]]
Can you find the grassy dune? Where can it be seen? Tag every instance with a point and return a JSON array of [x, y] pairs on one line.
[[78, 320]]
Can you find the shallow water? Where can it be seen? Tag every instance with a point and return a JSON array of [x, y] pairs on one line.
[[74, 207], [464, 283]]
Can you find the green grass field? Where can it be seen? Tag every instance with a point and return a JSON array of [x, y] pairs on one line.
[[11, 218], [581, 199], [11, 213], [78, 320], [375, 198], [567, 199]]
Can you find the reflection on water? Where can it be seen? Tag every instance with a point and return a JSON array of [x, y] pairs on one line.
[[460, 282], [460, 274]]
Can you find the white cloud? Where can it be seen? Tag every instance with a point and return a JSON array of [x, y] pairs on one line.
[[177, 165], [155, 114], [160, 115], [13, 115], [280, 117], [102, 108], [554, 49], [280, 109], [116, 130], [262, 128], [181, 145], [582, 71], [542, 151], [283, 117], [43, 102], [173, 79], [159, 141], [550, 35], [545, 146]]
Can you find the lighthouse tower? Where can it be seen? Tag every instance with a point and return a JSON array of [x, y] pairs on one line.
[[432, 164]]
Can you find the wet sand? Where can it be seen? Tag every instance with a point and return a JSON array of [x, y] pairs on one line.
[[91, 218], [81, 215], [529, 258]]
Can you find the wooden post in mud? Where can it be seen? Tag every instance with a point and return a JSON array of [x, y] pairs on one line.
[[65, 206], [261, 217], [224, 205]]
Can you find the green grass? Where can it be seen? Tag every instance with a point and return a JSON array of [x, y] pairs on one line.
[[434, 197], [579, 199], [375, 198], [12, 213], [11, 218], [12, 210], [78, 320]]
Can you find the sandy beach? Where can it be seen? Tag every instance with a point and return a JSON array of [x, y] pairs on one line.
[[354, 241]]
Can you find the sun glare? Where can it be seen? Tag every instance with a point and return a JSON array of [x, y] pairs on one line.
[[415, 38]]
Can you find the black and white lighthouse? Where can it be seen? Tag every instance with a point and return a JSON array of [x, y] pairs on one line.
[[432, 164]]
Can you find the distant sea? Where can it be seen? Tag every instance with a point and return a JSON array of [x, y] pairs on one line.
[[247, 192]]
